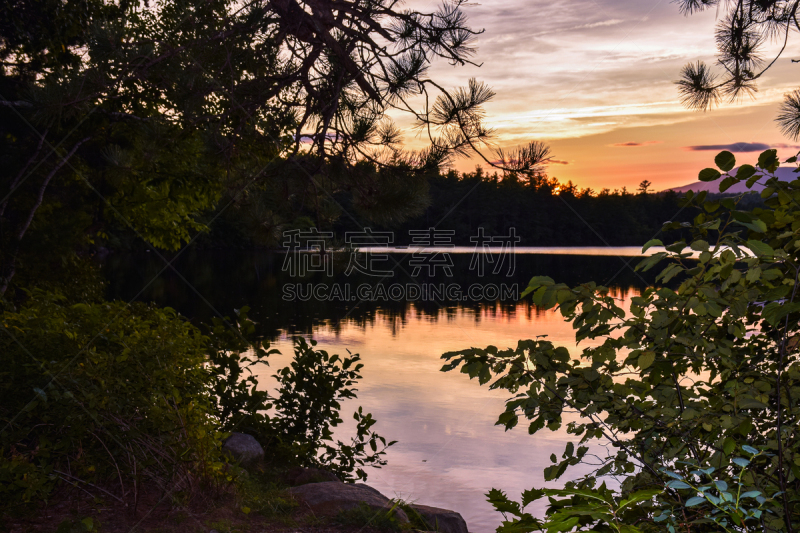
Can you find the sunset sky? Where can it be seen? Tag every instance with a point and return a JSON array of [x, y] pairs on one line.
[[595, 80]]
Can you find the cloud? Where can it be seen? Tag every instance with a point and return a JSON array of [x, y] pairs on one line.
[[633, 144], [600, 24], [733, 147], [741, 147], [557, 162], [611, 22]]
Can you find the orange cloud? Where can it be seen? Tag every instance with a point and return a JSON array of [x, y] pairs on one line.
[[633, 144]]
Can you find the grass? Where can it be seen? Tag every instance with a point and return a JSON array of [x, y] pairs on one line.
[[256, 502], [260, 493], [416, 520], [366, 516]]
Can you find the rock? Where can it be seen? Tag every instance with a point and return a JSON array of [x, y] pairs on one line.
[[244, 449], [441, 520], [301, 476], [329, 498]]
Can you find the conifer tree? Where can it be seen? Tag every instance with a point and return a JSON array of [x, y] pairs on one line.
[[145, 115], [744, 29]]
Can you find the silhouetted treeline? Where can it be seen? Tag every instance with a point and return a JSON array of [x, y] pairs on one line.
[[543, 211]]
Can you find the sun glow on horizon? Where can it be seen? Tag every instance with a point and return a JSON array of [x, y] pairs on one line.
[[599, 89]]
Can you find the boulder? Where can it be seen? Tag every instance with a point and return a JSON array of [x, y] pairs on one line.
[[329, 498], [301, 476], [244, 449], [441, 520]]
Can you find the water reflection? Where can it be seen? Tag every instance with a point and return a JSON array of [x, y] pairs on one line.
[[201, 285], [449, 453], [597, 251]]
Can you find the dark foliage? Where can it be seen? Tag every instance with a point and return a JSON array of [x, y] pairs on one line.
[[542, 211], [744, 30]]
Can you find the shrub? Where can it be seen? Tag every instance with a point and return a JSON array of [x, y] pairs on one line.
[[694, 387], [297, 420], [101, 391], [108, 396]]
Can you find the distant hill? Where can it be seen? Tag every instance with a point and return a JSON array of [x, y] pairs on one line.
[[783, 173]]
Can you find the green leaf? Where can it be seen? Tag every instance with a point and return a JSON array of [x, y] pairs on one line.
[[575, 492], [756, 225], [563, 526], [727, 183], [709, 174], [670, 272], [776, 311], [728, 446], [751, 403], [640, 496], [759, 248], [650, 243], [746, 172], [645, 360], [650, 262], [675, 484], [768, 160], [538, 281], [530, 496], [695, 500], [725, 161], [753, 275], [502, 504]]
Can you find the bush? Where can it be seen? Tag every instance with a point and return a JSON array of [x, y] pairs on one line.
[[93, 392], [694, 387], [108, 397], [296, 421]]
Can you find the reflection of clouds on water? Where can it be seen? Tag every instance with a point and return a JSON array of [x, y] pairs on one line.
[[441, 418], [449, 453]]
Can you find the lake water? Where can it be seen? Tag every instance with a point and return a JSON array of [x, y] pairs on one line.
[[449, 452]]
